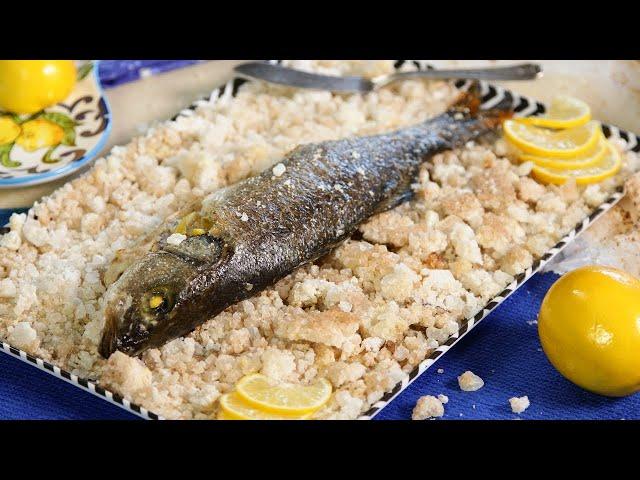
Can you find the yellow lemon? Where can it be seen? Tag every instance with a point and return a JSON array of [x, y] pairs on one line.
[[563, 112], [607, 167], [39, 133], [283, 398], [28, 86], [222, 415], [589, 159], [234, 407], [552, 143], [589, 327], [9, 130]]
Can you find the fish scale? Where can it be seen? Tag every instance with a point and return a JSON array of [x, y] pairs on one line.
[[267, 226]]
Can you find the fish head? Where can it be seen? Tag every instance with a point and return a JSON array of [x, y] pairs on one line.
[[142, 307]]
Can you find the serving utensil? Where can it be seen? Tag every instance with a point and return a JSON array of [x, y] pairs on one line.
[[297, 78]]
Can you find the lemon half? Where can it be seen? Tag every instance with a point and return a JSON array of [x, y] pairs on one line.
[[563, 112], [607, 167], [543, 142], [283, 398]]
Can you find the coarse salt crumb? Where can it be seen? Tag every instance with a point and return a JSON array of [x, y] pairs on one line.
[[176, 239], [126, 372], [34, 233], [11, 240], [519, 404], [470, 382], [443, 398], [278, 170], [427, 407], [7, 288], [244, 217], [277, 364], [440, 370], [524, 169], [22, 335]]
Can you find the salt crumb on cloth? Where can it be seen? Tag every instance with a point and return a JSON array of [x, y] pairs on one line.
[[519, 404], [426, 407], [470, 382], [363, 317]]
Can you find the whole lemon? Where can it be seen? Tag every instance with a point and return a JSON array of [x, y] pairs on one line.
[[28, 86], [589, 327]]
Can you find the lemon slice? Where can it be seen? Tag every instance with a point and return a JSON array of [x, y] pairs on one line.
[[222, 415], [588, 159], [262, 393], [563, 112], [552, 143], [235, 408], [608, 166]]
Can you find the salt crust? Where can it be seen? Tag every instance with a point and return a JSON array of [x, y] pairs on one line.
[[363, 317]]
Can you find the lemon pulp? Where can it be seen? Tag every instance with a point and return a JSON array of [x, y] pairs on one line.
[[260, 392], [563, 112], [590, 158], [543, 142], [233, 407], [607, 167]]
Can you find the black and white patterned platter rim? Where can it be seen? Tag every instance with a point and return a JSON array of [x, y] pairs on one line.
[[491, 96]]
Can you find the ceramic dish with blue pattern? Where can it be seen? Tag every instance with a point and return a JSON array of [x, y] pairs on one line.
[[85, 120]]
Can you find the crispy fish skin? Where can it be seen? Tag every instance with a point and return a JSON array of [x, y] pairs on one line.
[[261, 229]]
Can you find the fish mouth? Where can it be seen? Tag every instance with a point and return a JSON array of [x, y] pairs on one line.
[[108, 342], [131, 323], [111, 341]]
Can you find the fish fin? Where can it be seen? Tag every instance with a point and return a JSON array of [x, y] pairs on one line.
[[469, 102], [394, 201]]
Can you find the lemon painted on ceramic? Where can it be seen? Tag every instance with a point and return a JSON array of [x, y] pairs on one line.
[[28, 86], [589, 327], [283, 398], [39, 133], [9, 130]]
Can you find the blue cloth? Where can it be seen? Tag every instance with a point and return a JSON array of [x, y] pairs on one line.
[[116, 72], [503, 350]]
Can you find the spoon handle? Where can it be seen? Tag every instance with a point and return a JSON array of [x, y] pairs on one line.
[[525, 71]]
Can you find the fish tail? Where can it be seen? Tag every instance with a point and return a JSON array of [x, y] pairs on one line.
[[469, 102]]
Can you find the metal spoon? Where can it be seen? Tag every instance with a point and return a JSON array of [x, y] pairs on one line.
[[297, 78]]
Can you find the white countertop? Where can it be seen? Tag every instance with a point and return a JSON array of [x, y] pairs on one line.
[[611, 87]]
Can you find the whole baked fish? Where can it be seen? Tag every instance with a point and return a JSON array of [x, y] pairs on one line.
[[245, 237]]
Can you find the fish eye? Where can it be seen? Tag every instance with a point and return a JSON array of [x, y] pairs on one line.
[[158, 301]]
